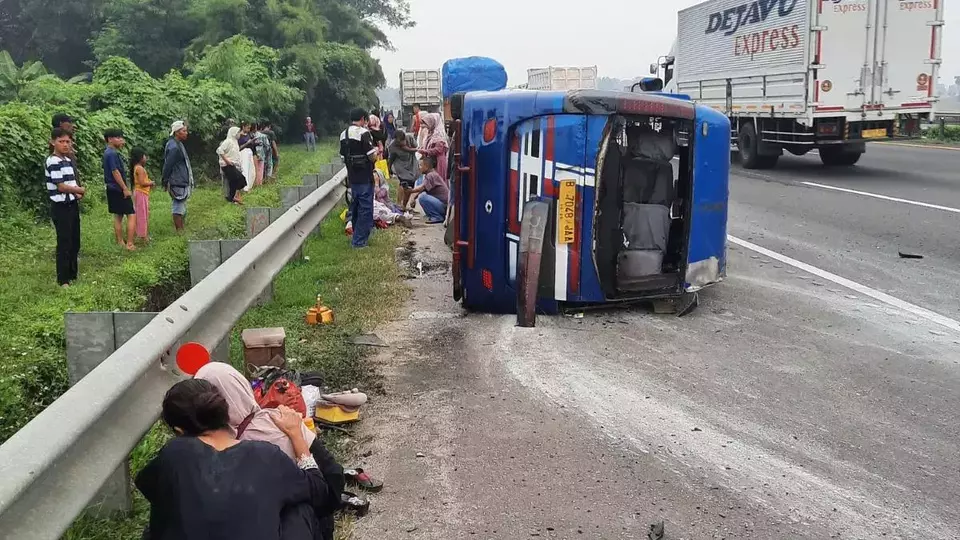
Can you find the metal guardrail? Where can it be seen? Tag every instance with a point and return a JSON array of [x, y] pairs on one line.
[[52, 468]]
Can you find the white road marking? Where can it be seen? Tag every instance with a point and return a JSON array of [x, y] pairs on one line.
[[884, 197], [923, 313]]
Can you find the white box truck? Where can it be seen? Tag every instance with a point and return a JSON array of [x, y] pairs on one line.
[[421, 87], [798, 75], [562, 78]]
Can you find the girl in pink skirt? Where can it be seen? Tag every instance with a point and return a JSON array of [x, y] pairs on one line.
[[141, 191]]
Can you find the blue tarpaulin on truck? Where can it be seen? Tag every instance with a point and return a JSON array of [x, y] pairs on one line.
[[473, 74]]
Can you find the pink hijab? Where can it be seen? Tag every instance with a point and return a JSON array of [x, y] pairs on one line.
[[236, 390], [434, 125]]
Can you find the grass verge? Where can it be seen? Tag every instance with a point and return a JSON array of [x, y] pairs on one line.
[[363, 287], [32, 360]]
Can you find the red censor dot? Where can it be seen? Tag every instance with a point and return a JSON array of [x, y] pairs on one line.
[[191, 357]]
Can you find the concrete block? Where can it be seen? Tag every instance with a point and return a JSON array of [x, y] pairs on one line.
[[311, 181], [228, 248], [258, 219], [275, 214], [204, 258], [327, 172], [289, 196], [91, 338], [127, 324]]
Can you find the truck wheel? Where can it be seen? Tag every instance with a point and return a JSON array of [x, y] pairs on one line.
[[838, 157], [748, 142]]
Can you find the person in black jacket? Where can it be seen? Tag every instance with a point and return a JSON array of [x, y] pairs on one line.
[[177, 177], [207, 485], [252, 423]]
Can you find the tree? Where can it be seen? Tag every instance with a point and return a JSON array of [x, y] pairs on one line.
[[152, 33], [13, 79], [55, 32], [393, 13]]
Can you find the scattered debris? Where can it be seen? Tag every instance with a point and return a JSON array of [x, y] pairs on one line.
[[421, 455], [369, 340], [696, 429], [909, 255], [656, 531]]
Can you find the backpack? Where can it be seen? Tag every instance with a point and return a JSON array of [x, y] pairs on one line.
[[279, 387]]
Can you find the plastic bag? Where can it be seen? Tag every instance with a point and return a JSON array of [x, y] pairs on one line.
[[382, 166], [343, 215]]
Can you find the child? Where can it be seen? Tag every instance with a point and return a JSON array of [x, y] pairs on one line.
[[141, 191]]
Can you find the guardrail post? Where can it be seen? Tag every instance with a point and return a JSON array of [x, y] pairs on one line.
[[943, 128]]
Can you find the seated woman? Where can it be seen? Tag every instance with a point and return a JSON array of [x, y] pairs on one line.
[[205, 484], [433, 194], [251, 423]]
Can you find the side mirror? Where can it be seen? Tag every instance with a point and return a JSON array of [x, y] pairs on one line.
[[653, 68]]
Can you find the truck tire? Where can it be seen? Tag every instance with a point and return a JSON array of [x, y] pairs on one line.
[[748, 142], [838, 156]]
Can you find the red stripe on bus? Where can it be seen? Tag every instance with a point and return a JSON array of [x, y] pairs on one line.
[[551, 137], [514, 197]]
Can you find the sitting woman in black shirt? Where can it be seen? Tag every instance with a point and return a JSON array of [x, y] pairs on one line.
[[207, 485]]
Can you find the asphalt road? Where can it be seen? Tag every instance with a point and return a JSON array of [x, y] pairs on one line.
[[814, 394]]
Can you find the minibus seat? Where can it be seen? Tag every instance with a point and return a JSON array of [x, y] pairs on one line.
[[647, 181]]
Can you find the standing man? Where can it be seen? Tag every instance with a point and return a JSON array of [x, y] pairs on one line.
[[415, 124], [65, 194], [274, 153], [310, 136], [359, 154], [177, 177], [119, 196]]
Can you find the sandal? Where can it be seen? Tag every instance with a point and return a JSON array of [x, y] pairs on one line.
[[351, 502], [362, 479]]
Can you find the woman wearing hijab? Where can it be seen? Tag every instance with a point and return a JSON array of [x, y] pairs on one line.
[[229, 157], [248, 165], [377, 132], [206, 484], [435, 144], [251, 423], [390, 127]]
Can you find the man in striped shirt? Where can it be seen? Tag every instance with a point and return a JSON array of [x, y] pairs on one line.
[[64, 193]]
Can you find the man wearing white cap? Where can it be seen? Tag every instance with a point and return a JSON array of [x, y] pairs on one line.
[[177, 172]]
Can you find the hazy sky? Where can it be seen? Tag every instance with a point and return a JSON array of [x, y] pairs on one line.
[[620, 37]]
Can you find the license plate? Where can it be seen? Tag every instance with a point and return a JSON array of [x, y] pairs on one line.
[[567, 212], [875, 133]]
